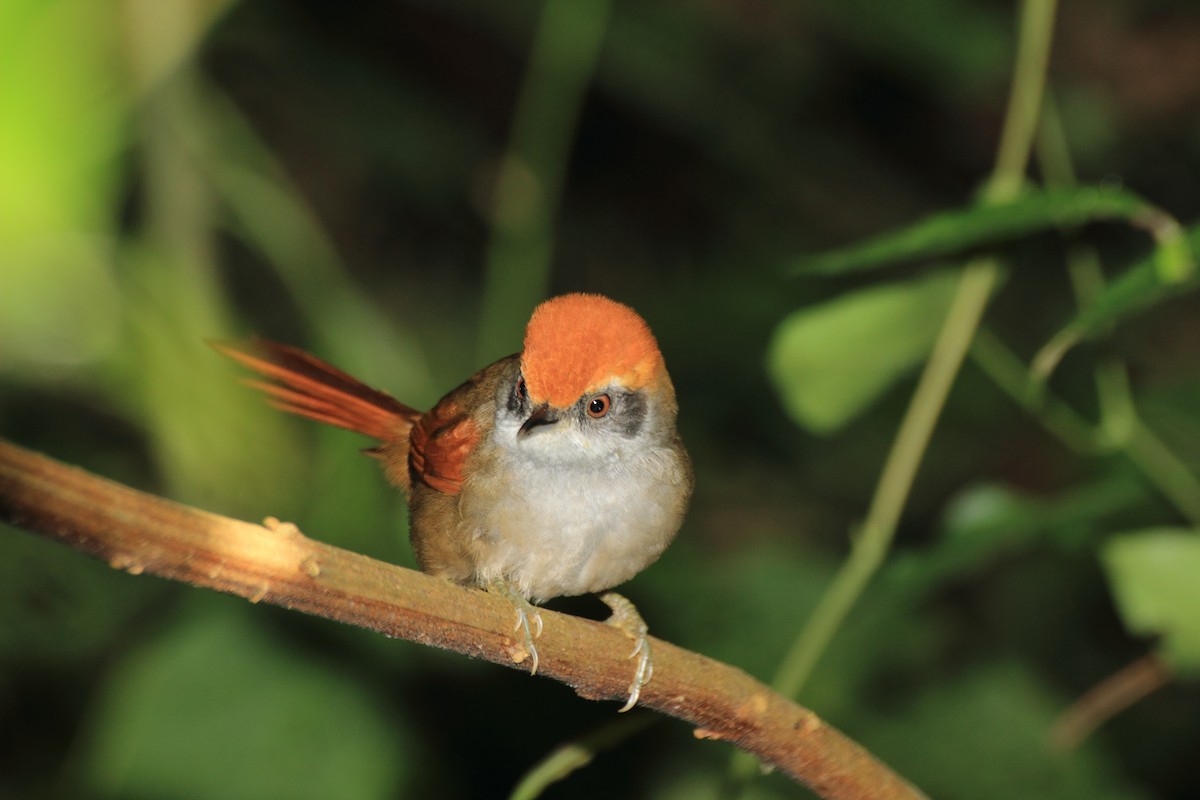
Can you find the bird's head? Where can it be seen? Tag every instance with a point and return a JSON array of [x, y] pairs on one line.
[[591, 378]]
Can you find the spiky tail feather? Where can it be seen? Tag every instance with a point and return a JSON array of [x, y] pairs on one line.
[[305, 385]]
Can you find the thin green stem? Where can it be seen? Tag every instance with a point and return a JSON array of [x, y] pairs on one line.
[[517, 273], [954, 340], [1120, 425], [870, 546], [1165, 470], [1117, 412], [568, 757], [1156, 461], [879, 528], [1024, 101], [1008, 372], [1053, 152]]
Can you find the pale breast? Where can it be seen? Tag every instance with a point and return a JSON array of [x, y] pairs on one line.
[[574, 529]]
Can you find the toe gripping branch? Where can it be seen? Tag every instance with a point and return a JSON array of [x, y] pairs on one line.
[[625, 618], [529, 619]]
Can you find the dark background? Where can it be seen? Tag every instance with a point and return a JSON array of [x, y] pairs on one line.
[[325, 174]]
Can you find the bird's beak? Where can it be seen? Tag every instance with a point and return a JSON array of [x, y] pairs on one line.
[[542, 415]]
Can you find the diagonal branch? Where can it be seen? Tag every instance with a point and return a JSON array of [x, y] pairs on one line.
[[138, 533]]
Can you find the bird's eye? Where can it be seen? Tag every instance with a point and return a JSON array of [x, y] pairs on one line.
[[520, 389], [598, 406]]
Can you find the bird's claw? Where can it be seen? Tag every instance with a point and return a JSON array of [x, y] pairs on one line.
[[530, 632], [625, 618], [527, 613]]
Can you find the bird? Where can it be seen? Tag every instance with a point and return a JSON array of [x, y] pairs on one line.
[[556, 471]]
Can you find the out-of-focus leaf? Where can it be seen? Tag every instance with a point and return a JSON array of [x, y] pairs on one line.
[[757, 597], [1166, 272], [209, 434], [163, 37], [215, 709], [59, 304], [951, 232], [830, 361], [57, 604], [983, 735], [62, 126], [1154, 576], [64, 116], [987, 522]]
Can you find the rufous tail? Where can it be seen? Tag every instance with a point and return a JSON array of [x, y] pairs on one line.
[[303, 384]]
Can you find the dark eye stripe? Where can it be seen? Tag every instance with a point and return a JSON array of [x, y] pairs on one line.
[[623, 412], [517, 398]]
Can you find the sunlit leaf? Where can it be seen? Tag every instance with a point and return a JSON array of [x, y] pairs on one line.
[[830, 361], [1154, 578], [951, 232], [62, 125]]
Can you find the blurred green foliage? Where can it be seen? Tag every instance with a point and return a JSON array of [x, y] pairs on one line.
[[881, 333], [1154, 580], [256, 722], [785, 191]]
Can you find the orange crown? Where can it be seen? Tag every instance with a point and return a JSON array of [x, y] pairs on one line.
[[577, 343]]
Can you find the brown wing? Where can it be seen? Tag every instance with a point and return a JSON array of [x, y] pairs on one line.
[[303, 384], [447, 434], [440, 443]]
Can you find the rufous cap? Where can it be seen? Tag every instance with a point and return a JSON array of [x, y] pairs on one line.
[[578, 343]]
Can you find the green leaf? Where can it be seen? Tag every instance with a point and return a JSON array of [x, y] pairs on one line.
[[1154, 578], [948, 233], [829, 362], [216, 708], [62, 129]]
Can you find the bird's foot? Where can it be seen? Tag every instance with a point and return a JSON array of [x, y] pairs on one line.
[[529, 620], [625, 618]]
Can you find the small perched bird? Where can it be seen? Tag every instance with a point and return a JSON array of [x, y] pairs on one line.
[[555, 471]]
